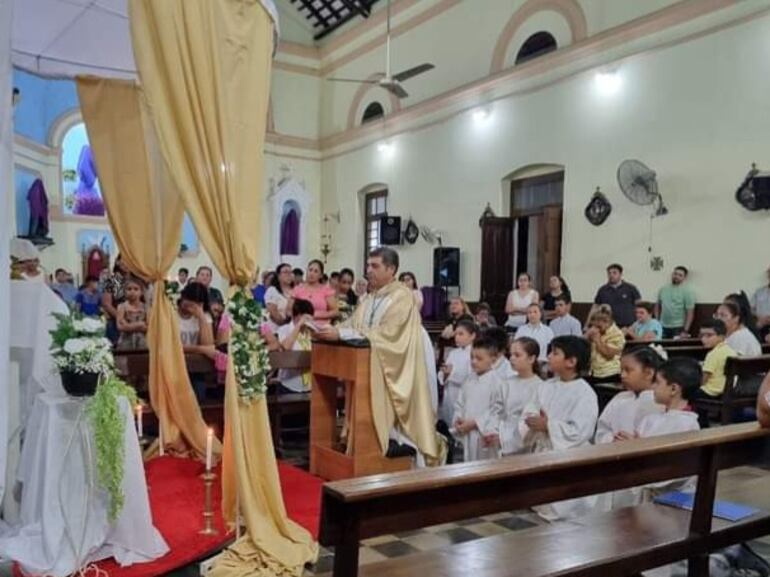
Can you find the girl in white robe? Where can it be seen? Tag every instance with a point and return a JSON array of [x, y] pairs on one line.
[[621, 417], [510, 398], [562, 415], [474, 403], [456, 369]]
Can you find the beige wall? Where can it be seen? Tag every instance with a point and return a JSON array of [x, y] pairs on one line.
[[696, 112]]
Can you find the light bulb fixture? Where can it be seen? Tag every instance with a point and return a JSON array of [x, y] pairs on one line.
[[481, 114], [608, 82]]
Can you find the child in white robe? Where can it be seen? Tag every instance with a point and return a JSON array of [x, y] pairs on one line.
[[676, 384], [502, 341], [472, 410], [510, 398], [621, 417], [562, 415], [457, 368]]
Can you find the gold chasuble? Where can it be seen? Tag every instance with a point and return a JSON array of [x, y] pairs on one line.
[[399, 385]]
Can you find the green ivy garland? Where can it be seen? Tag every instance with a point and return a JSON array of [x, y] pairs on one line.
[[251, 361], [109, 428]]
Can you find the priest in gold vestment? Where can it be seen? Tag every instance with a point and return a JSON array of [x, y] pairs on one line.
[[403, 374]]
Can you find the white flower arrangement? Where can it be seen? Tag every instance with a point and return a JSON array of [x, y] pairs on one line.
[[79, 346], [248, 349]]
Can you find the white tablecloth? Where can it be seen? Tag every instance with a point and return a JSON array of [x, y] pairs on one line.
[[63, 511], [32, 307]]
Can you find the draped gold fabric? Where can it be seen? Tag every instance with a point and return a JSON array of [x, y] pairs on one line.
[[399, 387], [145, 213], [205, 67]]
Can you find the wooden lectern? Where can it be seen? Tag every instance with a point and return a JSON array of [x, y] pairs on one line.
[[331, 364]]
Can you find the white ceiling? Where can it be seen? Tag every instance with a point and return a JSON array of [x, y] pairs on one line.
[[68, 37]]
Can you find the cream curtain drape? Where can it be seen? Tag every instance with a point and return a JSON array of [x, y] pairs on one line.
[[145, 213], [205, 68]]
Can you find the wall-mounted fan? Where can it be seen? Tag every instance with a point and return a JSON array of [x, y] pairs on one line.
[[640, 185], [430, 235], [391, 82]]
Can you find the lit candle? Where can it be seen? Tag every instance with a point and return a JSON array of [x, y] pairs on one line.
[[161, 450], [209, 448], [139, 428]]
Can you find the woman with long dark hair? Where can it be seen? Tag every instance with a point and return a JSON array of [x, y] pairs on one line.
[[278, 297], [557, 287]]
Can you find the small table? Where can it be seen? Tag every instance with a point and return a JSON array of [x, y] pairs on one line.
[[64, 522]]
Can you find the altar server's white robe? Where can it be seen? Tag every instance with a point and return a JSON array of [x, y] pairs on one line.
[[460, 361], [572, 409], [474, 402], [508, 402], [624, 413]]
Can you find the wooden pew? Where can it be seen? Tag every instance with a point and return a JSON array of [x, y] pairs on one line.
[[739, 371], [134, 367], [284, 405], [622, 542]]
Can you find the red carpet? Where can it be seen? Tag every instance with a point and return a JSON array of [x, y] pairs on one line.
[[176, 499]]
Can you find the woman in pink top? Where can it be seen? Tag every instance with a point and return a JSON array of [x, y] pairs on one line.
[[321, 295]]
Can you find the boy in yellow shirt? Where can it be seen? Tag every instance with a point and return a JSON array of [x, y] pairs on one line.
[[712, 335]]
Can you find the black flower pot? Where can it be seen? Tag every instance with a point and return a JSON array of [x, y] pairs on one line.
[[79, 384]]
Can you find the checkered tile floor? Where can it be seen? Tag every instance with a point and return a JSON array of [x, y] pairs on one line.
[[429, 538]]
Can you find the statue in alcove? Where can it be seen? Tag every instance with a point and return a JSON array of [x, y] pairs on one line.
[[88, 200]]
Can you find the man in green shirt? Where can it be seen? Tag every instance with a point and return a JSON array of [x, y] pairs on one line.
[[676, 306]]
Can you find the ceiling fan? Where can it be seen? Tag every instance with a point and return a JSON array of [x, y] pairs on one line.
[[391, 82]]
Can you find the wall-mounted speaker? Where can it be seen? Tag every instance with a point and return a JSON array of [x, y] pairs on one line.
[[390, 230], [446, 266]]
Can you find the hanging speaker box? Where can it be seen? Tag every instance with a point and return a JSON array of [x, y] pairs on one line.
[[390, 230]]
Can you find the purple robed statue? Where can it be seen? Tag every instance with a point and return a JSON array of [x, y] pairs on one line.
[[88, 201]]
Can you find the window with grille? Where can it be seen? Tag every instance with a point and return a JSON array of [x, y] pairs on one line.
[[375, 208]]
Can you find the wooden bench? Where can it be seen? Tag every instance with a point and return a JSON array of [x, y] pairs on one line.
[[134, 367], [286, 404], [622, 542], [739, 371]]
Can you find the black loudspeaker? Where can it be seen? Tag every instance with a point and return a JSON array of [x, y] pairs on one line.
[[446, 267], [390, 230]]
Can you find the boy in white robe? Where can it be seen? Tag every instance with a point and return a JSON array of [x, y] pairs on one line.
[[676, 384], [510, 398], [472, 410], [456, 369], [562, 415]]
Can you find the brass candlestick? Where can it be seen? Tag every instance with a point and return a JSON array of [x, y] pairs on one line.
[[208, 509]]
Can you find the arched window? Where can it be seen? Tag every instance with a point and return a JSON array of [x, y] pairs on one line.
[[535, 46], [290, 220], [80, 181], [373, 112]]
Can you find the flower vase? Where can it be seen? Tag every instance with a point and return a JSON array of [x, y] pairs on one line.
[[79, 384]]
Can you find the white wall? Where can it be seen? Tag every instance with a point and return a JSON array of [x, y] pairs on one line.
[[696, 112]]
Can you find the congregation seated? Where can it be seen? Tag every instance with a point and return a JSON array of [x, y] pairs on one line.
[[607, 342], [557, 288], [537, 330], [204, 276], [88, 301], [458, 309], [484, 317], [278, 297], [347, 299], [518, 300], [713, 335], [760, 308], [322, 296], [563, 323], [645, 328], [410, 281], [739, 337], [296, 336]]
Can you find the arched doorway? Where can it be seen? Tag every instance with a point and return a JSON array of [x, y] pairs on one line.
[[528, 239], [290, 229]]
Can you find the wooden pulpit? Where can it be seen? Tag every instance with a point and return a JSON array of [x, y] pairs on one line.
[[333, 365]]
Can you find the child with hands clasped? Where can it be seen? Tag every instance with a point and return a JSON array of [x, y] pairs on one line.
[[457, 368]]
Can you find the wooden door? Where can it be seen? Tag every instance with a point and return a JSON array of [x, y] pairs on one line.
[[497, 248], [551, 243]]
